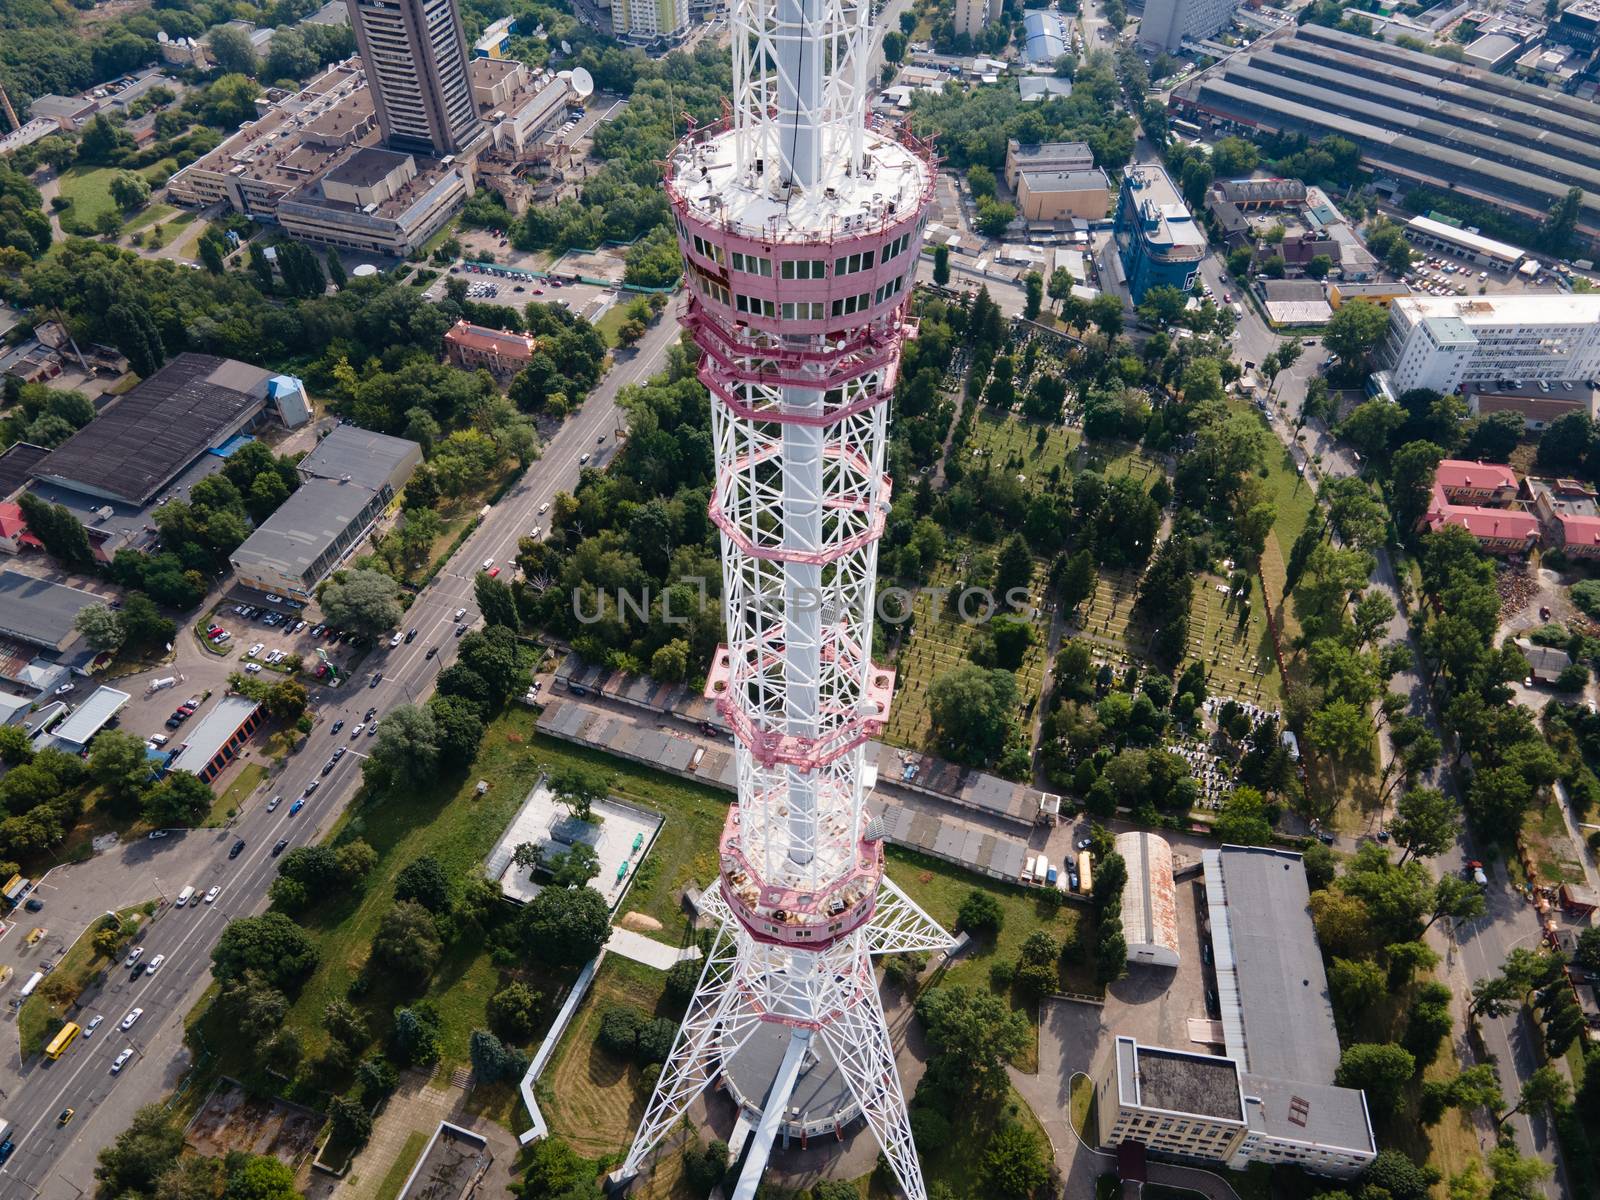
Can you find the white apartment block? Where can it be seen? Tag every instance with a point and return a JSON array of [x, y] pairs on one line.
[[647, 20], [1443, 342], [1167, 22], [972, 17]]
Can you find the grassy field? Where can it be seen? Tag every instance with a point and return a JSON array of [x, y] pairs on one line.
[[1012, 443], [1545, 837], [941, 640], [47, 1009], [940, 887], [1238, 658], [591, 1098], [89, 189], [457, 827], [611, 320], [236, 793], [958, 1165], [150, 214]]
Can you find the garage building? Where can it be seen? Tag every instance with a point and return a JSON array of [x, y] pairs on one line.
[[1149, 899]]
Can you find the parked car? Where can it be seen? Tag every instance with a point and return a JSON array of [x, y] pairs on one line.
[[236, 849], [211, 895]]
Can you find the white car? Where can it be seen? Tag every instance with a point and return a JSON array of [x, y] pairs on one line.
[[356, 732], [133, 956], [460, 612], [488, 565], [122, 1061], [212, 894], [252, 668], [133, 1015], [544, 508], [94, 1023], [274, 802], [255, 650], [583, 458], [154, 964]]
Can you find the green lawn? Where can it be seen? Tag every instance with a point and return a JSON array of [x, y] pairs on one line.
[[89, 189], [1012, 443], [611, 320], [457, 827], [940, 887], [46, 1010], [150, 214], [237, 792], [591, 1098]]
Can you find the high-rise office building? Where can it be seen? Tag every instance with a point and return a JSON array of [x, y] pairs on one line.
[[1167, 23], [416, 62]]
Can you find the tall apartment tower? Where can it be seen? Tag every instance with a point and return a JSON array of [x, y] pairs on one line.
[[415, 57], [1167, 23], [800, 224]]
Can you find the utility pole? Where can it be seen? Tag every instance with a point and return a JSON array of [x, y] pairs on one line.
[[11, 113]]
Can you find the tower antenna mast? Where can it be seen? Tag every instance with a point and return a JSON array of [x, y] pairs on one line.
[[801, 229]]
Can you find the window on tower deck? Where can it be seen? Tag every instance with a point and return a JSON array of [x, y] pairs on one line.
[[851, 263], [709, 250], [802, 310], [754, 305], [752, 264], [896, 248], [803, 268]]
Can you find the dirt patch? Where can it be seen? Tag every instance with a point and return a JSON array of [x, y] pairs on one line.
[[231, 1119], [640, 922]]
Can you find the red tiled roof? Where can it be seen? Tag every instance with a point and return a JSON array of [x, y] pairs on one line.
[[1460, 473], [1482, 523], [1578, 530], [14, 525], [491, 341]]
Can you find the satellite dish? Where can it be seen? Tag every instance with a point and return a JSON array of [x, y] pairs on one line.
[[582, 83], [566, 47]]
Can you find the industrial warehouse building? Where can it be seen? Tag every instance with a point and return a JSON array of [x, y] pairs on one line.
[[1415, 116], [346, 483], [1270, 1097], [1149, 899], [216, 738]]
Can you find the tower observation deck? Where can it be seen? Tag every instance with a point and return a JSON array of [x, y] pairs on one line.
[[800, 227]]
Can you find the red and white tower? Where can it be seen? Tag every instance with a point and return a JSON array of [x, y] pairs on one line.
[[800, 227]]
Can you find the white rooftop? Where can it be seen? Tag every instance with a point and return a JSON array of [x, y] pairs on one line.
[[890, 183], [1521, 308]]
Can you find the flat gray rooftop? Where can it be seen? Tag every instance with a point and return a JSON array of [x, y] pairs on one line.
[[39, 612], [1277, 1018], [1189, 1083], [303, 527], [1308, 1112], [357, 454]]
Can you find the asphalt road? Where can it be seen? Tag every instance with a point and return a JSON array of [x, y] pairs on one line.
[[57, 1163]]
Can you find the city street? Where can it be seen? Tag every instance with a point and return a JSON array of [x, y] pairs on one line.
[[57, 1163]]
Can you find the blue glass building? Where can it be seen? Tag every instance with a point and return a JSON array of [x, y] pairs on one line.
[[1158, 240]]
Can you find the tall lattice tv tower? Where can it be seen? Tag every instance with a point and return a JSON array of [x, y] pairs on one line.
[[801, 228]]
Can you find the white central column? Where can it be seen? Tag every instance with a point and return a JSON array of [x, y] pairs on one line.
[[802, 608], [800, 81]]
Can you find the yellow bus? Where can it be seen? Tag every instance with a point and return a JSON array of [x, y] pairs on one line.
[[62, 1040]]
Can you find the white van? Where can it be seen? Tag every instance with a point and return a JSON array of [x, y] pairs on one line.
[[33, 982], [186, 895]]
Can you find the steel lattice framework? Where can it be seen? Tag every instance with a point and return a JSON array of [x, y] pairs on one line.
[[801, 226]]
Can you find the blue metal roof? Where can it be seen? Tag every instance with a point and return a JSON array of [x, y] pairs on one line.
[[1044, 37]]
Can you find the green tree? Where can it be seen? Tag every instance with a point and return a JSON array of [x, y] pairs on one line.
[[972, 712], [119, 765], [1355, 330], [980, 913], [565, 926], [1425, 823], [1015, 1165], [101, 627], [1033, 287], [941, 266], [424, 881], [180, 799], [974, 1034], [129, 190], [408, 940], [407, 749], [259, 1177], [1382, 1070], [492, 1061], [232, 51], [144, 1150], [271, 944], [514, 1010], [1243, 820], [579, 788], [361, 601]]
